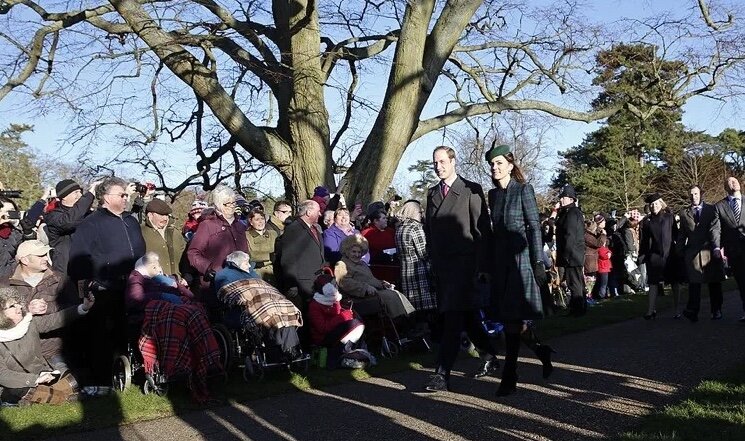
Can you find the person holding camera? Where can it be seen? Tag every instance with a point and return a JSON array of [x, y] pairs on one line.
[[10, 236], [25, 375], [103, 251], [72, 206]]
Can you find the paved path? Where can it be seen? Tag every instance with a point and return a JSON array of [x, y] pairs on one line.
[[604, 380]]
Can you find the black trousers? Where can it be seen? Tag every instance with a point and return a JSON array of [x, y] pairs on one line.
[[737, 264], [453, 324], [715, 297], [575, 278], [106, 335]]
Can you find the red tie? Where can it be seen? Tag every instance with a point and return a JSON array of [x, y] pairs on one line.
[[314, 232], [445, 189]]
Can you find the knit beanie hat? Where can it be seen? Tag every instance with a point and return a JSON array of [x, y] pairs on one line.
[[65, 187]]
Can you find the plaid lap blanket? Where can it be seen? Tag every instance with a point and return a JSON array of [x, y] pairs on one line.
[[264, 307], [178, 340]]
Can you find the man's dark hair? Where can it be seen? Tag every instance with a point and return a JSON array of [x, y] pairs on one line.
[[105, 187], [280, 204]]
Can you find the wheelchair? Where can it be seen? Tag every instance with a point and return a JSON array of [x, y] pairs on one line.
[[255, 355]]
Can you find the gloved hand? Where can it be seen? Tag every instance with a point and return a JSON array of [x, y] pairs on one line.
[[539, 273], [209, 275]]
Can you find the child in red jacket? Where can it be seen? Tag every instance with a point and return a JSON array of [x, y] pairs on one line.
[[604, 267]]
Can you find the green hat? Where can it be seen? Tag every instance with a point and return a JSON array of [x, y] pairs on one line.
[[497, 150]]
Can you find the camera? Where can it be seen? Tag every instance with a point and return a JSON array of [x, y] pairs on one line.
[[144, 188], [11, 194]]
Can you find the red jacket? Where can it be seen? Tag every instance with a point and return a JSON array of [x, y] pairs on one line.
[[324, 319], [379, 240], [214, 240], [604, 264]]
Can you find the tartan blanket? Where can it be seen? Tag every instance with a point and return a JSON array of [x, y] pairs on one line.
[[178, 340], [264, 307]]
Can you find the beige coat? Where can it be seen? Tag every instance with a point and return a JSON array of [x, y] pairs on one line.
[[356, 280]]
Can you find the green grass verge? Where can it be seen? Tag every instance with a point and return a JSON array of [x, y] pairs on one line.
[[714, 410], [131, 406]]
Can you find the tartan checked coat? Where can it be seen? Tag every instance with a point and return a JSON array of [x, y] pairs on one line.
[[516, 246], [416, 271]]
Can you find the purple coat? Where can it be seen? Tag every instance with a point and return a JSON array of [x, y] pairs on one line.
[[332, 238], [214, 239]]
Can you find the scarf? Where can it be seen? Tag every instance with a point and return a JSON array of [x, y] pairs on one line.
[[329, 296], [17, 331], [5, 230]]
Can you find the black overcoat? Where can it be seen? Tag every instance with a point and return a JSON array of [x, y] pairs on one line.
[[298, 256], [458, 230], [570, 237], [733, 233], [696, 242], [516, 246]]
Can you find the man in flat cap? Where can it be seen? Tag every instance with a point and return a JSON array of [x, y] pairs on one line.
[[161, 238], [570, 248]]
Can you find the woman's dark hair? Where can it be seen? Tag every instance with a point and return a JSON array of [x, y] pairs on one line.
[[254, 211], [4, 200], [516, 173], [375, 215]]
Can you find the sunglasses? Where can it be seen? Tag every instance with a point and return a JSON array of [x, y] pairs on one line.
[[121, 195]]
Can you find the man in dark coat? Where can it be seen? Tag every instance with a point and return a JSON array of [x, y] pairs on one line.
[[732, 242], [570, 248], [298, 253], [457, 228], [72, 206], [699, 232], [104, 249]]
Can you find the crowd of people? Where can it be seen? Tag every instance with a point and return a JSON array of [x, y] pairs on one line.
[[464, 263]]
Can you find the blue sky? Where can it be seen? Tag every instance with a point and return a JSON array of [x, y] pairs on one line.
[[702, 114]]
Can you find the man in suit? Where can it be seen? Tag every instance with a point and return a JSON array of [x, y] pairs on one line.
[[299, 252], [570, 248], [732, 243], [698, 235], [457, 229]]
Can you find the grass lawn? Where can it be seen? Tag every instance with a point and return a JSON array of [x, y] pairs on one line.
[[714, 410], [132, 405]]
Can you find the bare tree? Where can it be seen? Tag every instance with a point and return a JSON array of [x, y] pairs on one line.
[[253, 70]]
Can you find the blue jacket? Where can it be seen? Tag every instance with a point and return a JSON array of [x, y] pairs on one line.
[[105, 248], [332, 238]]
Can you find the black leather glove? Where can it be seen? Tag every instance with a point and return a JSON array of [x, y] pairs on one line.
[[209, 275], [539, 273]]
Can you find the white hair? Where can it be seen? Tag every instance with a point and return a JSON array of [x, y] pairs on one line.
[[237, 258], [222, 194], [305, 206]]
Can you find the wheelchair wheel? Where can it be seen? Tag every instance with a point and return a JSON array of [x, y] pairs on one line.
[[122, 373], [389, 349], [300, 366], [225, 342], [252, 370], [150, 387]]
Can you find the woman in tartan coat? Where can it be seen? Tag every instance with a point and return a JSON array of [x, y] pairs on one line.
[[518, 268], [411, 246]]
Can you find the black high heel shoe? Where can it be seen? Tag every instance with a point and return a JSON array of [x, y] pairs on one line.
[[507, 386], [651, 316], [543, 352]]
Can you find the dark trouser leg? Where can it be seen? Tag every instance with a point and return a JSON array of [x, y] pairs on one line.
[[576, 284], [453, 323], [716, 297], [694, 297], [738, 270], [478, 336], [106, 334], [512, 351], [601, 285]]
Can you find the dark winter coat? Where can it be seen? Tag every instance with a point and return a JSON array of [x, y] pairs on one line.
[[655, 245], [8, 249], [61, 224], [592, 243], [169, 247], [214, 239], [570, 237], [517, 246], [105, 248], [458, 235], [696, 244], [732, 239], [298, 256]]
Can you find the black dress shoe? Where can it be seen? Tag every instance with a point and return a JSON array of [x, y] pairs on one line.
[[651, 316], [488, 367], [690, 315], [437, 383], [717, 315]]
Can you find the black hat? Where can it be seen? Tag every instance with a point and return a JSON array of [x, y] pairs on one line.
[[158, 206], [652, 197], [568, 191], [65, 187]]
